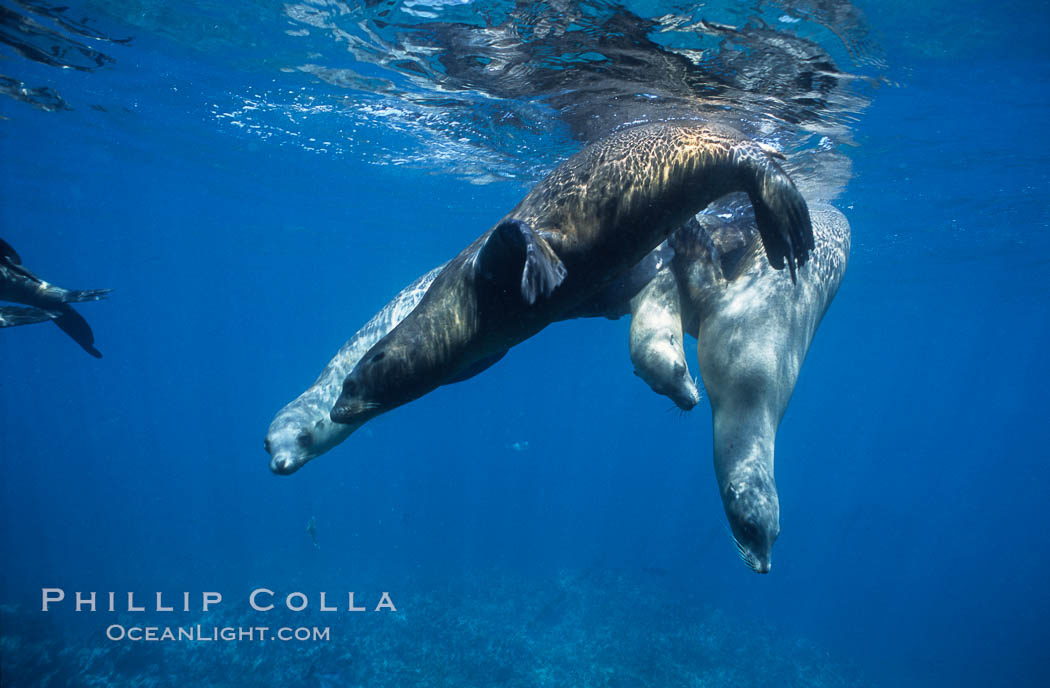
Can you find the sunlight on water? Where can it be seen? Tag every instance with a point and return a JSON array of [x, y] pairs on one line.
[[480, 87]]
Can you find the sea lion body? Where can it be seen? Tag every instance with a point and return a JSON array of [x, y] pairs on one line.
[[303, 430], [753, 328], [581, 228], [47, 301]]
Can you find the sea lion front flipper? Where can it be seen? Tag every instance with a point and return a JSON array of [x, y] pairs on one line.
[[782, 216], [737, 264], [12, 316], [477, 367], [513, 246], [73, 324]]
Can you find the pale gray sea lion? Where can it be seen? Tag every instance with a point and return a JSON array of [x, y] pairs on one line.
[[585, 225], [303, 430], [753, 330], [47, 301], [656, 341]]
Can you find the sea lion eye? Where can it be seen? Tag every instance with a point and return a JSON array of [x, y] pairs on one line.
[[304, 440], [266, 445], [379, 357], [349, 387]]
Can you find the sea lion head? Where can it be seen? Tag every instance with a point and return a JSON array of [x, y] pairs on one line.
[[659, 361], [386, 377], [289, 444], [753, 509], [355, 405], [299, 433]]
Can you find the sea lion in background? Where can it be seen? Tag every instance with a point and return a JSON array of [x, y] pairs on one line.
[[656, 341], [656, 333], [753, 329], [582, 227], [49, 302], [12, 316]]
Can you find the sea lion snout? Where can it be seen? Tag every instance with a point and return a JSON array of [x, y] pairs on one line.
[[357, 403], [754, 540], [753, 510], [289, 445], [349, 410], [663, 368], [345, 407], [685, 395], [283, 464], [341, 414]]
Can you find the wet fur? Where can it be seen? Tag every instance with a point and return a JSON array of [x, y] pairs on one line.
[[581, 228], [302, 430], [753, 328]]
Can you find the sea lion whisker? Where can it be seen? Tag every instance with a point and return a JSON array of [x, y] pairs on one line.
[[674, 407]]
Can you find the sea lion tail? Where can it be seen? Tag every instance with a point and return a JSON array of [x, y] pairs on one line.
[[781, 214], [82, 295]]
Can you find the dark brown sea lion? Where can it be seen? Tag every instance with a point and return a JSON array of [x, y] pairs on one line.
[[587, 223]]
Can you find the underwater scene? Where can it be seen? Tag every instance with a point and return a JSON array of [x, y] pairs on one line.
[[391, 343]]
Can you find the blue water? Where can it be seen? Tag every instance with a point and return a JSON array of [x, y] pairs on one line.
[[912, 461]]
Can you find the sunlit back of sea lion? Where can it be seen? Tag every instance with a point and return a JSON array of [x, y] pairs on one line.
[[584, 226]]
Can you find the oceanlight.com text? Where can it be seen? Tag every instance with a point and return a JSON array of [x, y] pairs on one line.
[[199, 633]]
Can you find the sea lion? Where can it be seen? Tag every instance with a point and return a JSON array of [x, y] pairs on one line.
[[302, 430], [656, 341], [12, 316], [587, 223], [657, 325], [753, 330], [48, 302]]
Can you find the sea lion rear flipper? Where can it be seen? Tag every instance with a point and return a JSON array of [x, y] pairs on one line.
[[513, 246], [12, 316], [73, 324], [476, 368], [782, 217], [81, 295]]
